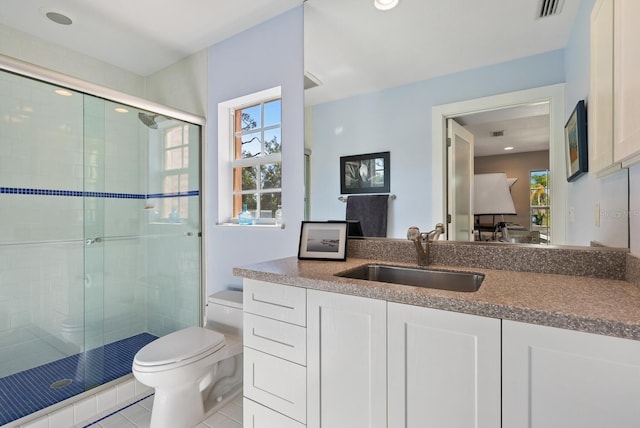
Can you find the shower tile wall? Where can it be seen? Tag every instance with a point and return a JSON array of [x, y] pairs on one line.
[[41, 148], [44, 288]]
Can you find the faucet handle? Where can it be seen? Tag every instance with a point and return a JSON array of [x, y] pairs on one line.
[[413, 233]]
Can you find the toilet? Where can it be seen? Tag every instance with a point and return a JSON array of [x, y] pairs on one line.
[[196, 370]]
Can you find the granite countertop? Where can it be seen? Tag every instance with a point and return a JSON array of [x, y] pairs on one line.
[[596, 305]]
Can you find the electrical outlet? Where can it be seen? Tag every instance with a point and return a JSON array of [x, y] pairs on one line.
[[596, 214]]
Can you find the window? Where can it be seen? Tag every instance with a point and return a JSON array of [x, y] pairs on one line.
[[250, 156], [257, 163], [175, 171], [539, 203]]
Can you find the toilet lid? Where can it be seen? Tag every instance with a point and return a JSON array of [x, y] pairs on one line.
[[178, 346]]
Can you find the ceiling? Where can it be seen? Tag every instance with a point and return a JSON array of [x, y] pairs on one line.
[[423, 39], [524, 128], [142, 36], [351, 47]]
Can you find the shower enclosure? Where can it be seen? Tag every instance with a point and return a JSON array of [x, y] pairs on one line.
[[100, 245]]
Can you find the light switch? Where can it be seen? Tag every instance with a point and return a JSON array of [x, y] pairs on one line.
[[572, 214]]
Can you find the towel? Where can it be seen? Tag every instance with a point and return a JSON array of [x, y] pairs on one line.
[[371, 210]]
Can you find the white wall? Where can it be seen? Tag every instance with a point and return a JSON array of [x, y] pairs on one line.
[[31, 49], [182, 85], [583, 195], [265, 56], [399, 120]]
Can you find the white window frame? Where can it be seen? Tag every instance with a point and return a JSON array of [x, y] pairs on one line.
[[226, 160]]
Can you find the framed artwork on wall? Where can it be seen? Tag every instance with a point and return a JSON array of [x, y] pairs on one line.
[[321, 240], [367, 173], [575, 139]]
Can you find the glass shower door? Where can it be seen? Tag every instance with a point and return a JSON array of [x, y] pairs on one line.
[[142, 233]]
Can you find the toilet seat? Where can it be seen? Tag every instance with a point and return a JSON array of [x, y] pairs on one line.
[[178, 348]]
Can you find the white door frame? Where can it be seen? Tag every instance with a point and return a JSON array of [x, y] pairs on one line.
[[555, 95]]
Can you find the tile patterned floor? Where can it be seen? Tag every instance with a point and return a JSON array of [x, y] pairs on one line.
[[31, 390], [138, 415]]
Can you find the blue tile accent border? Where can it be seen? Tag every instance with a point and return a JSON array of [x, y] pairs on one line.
[[28, 391], [82, 193], [173, 195]]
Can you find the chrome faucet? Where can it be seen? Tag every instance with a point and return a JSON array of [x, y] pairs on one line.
[[413, 234]]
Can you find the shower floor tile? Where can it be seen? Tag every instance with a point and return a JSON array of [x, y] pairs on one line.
[[31, 390]]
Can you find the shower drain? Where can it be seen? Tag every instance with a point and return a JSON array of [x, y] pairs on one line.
[[60, 383]]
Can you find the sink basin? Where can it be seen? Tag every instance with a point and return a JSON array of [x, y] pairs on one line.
[[427, 278]]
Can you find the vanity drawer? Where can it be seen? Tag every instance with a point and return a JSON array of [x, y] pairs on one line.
[[257, 416], [277, 338], [277, 384], [276, 301]]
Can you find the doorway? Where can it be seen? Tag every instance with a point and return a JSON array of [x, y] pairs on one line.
[[554, 96], [513, 141]]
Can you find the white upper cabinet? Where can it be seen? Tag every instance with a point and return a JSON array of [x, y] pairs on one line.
[[614, 102], [600, 106], [626, 81]]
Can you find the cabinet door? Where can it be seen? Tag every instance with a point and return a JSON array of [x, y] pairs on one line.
[[626, 89], [346, 361], [444, 369], [600, 106], [276, 383], [561, 378]]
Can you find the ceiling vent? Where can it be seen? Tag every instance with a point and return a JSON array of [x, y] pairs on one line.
[[497, 133], [310, 81], [548, 8]]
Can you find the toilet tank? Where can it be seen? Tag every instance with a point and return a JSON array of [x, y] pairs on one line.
[[224, 312]]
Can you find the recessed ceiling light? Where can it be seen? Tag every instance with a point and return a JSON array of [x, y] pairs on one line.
[[385, 4], [57, 16], [121, 110], [63, 92], [508, 148]]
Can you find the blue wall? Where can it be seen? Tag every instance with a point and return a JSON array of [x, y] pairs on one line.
[[399, 120], [583, 195], [262, 57]]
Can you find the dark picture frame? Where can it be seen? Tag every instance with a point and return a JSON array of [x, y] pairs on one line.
[[367, 173], [575, 138], [322, 240]]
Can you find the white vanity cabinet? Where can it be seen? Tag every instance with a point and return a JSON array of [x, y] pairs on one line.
[[614, 100], [275, 371], [373, 364], [346, 361], [330, 360], [444, 368], [561, 378]]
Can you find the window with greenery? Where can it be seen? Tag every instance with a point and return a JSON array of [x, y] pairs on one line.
[[539, 201], [175, 170], [257, 160]]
